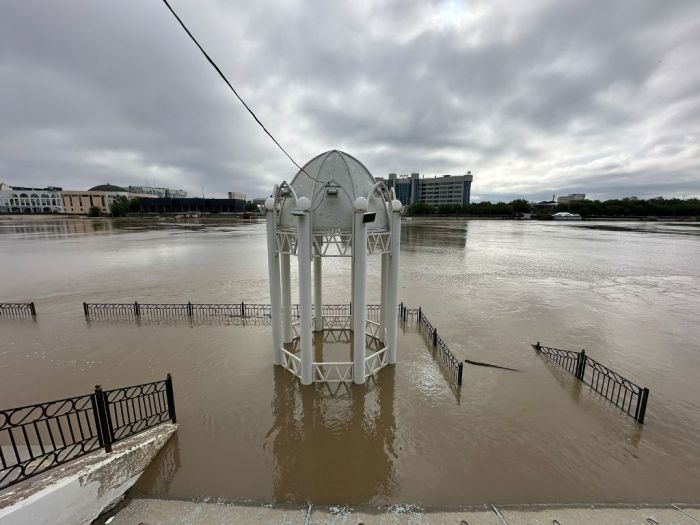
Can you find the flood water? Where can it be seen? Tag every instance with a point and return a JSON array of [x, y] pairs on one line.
[[629, 293]]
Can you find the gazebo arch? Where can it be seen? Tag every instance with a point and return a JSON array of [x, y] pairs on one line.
[[332, 208]]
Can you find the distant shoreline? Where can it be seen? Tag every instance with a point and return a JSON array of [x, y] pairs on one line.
[[40, 216]]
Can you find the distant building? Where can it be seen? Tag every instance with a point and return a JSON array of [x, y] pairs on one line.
[[259, 201], [565, 199], [192, 204], [545, 204], [163, 193], [447, 189], [237, 195], [77, 202], [18, 199]]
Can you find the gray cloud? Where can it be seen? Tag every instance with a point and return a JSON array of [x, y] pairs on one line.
[[536, 98]]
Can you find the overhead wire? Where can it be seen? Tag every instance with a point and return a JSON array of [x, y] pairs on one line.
[[221, 74]]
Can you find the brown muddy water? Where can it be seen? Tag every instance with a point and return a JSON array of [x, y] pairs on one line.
[[628, 293]]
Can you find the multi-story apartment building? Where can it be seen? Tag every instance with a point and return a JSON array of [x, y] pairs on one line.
[[237, 195], [447, 189], [17, 199]]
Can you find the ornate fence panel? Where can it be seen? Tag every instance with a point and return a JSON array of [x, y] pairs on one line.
[[408, 314], [564, 358], [133, 409], [16, 310], [454, 365], [36, 438], [623, 393], [620, 391]]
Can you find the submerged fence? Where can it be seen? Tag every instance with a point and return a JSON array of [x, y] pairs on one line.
[[202, 311], [621, 392], [454, 365], [15, 310], [36, 438]]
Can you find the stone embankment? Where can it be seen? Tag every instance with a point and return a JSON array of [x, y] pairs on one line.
[[77, 492]]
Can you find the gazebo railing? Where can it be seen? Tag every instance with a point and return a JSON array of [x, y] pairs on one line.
[[375, 362], [333, 372], [291, 362]]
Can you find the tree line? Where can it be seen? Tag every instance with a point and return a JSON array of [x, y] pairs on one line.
[[627, 207]]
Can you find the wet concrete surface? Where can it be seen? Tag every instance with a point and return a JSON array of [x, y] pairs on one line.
[[161, 512]]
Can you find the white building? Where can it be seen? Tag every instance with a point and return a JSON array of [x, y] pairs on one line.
[[17, 199], [237, 195]]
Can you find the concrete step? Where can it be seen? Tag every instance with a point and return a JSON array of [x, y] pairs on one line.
[[161, 512]]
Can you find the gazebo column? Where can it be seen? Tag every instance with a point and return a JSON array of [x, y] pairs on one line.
[[287, 333], [383, 301], [359, 306], [393, 282], [274, 275], [352, 288], [318, 293], [304, 258]]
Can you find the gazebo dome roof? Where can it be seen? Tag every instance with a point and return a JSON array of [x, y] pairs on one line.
[[332, 181]]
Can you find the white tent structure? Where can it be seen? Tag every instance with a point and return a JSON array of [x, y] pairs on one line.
[[332, 208]]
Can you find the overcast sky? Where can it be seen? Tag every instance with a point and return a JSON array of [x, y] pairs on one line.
[[533, 97]]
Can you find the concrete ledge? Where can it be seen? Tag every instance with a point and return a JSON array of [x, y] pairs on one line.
[[80, 490], [162, 512]]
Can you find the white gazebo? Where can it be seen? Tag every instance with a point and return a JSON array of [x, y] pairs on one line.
[[332, 208]]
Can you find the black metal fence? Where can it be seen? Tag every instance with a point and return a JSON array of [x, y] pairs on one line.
[[620, 391], [204, 311], [36, 438], [454, 365], [16, 310]]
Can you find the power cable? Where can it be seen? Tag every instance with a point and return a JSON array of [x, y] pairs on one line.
[[221, 74]]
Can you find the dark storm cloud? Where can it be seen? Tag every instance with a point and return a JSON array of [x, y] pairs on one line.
[[536, 98]]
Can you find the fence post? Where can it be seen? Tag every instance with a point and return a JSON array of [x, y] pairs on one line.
[[242, 309], [136, 309], [171, 398], [101, 418], [581, 365], [459, 373], [189, 308], [434, 336], [85, 309], [32, 308], [538, 346], [642, 404], [420, 314]]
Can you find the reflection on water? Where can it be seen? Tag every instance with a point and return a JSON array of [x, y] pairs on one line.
[[248, 431], [162, 471], [58, 229], [346, 438]]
